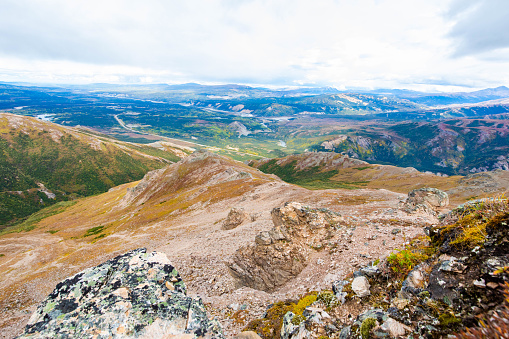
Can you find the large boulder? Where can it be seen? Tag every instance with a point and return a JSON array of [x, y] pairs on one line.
[[137, 294], [280, 254], [235, 218], [427, 200]]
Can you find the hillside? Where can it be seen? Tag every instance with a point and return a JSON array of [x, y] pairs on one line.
[[320, 170], [180, 210], [200, 212], [42, 163], [458, 146]]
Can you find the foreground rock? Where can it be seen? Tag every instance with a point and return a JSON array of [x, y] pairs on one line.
[[137, 294], [282, 253]]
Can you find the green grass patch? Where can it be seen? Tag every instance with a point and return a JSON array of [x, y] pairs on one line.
[[93, 231], [402, 262], [31, 222], [52, 231], [311, 178]]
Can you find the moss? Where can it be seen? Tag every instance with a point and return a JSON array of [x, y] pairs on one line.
[[297, 319], [447, 319], [470, 230], [367, 325], [270, 326], [303, 303], [402, 262], [52, 231], [328, 298]]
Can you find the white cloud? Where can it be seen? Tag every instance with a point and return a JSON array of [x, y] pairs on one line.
[[364, 43]]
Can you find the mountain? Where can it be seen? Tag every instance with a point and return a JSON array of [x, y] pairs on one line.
[[455, 146], [42, 163], [436, 99]]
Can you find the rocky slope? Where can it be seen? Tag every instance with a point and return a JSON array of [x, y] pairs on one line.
[[208, 213], [180, 211], [42, 163], [436, 286]]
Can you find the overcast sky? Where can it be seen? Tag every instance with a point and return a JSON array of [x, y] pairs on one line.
[[415, 44]]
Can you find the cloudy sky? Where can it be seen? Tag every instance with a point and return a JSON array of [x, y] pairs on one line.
[[416, 44]]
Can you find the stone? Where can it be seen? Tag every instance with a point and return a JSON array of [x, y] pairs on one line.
[[282, 253], [235, 218], [370, 271], [453, 265], [263, 238], [126, 296], [416, 278], [395, 328], [400, 303], [426, 200], [288, 329], [247, 335], [360, 286], [428, 196]]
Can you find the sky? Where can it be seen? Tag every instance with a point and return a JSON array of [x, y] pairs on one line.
[[429, 45]]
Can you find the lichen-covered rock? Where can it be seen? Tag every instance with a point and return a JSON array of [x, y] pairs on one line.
[[426, 200], [235, 218], [137, 294], [282, 253]]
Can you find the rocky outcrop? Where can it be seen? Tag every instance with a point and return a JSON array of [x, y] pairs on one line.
[[137, 294], [427, 200], [235, 218], [434, 288], [282, 253]]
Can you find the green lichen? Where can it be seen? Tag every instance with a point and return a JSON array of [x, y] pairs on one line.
[[367, 325], [297, 319], [447, 319]]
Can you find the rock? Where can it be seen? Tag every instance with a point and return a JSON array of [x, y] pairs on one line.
[[452, 265], [337, 288], [360, 286], [128, 296], [395, 231], [247, 335], [426, 200], [400, 303], [395, 328], [235, 218], [288, 329], [370, 271], [263, 238], [417, 277], [479, 283], [282, 253]]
